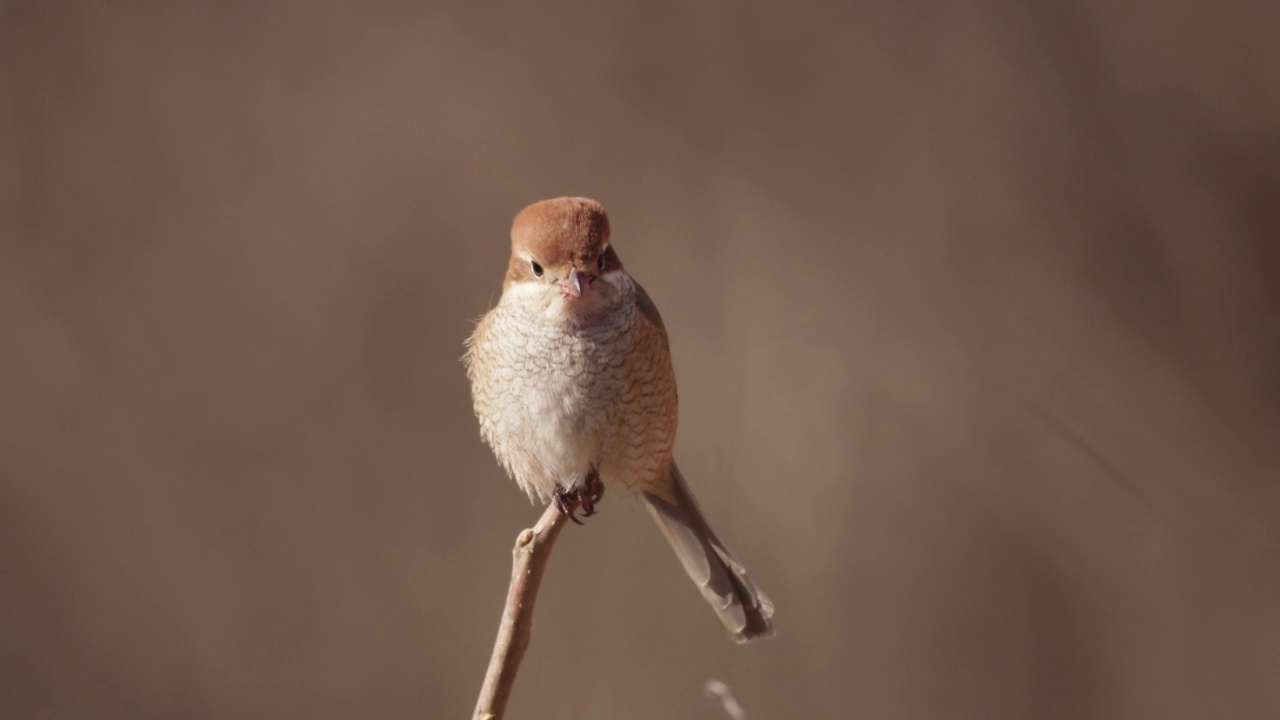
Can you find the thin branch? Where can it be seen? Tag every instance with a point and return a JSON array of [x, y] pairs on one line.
[[529, 559]]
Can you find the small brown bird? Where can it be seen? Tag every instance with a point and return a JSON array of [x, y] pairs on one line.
[[572, 381]]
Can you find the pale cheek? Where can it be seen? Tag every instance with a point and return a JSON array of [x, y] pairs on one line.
[[551, 302], [531, 296]]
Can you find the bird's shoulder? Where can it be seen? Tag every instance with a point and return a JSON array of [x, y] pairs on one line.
[[649, 311]]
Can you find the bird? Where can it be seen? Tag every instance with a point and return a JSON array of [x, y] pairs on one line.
[[574, 389]]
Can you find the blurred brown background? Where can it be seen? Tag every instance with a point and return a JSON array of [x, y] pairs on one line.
[[974, 308]]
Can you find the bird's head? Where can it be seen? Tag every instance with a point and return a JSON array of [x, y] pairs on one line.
[[562, 265]]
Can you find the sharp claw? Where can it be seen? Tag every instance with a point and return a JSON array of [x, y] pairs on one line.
[[584, 496], [593, 491], [565, 502]]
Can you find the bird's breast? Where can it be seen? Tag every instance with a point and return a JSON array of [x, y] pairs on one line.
[[548, 396]]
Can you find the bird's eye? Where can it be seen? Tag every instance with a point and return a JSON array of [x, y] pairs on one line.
[[600, 262], [537, 269]]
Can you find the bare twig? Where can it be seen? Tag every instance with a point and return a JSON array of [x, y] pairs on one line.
[[529, 559], [716, 689]]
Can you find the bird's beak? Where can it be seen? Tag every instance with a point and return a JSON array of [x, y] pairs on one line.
[[576, 281]]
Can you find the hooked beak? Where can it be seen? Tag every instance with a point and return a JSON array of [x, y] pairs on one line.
[[576, 281]]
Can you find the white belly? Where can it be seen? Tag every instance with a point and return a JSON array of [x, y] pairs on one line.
[[560, 431], [555, 404]]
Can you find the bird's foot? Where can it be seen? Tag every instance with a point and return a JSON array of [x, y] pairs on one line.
[[567, 502], [591, 492], [584, 496]]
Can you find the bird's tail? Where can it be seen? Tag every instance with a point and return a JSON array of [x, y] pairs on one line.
[[745, 611]]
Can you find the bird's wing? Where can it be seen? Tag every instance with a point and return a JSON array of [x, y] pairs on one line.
[[649, 310]]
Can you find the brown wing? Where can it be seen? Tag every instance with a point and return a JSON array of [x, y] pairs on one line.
[[649, 310]]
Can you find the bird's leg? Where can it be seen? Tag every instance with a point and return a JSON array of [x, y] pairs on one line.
[[584, 496], [590, 493], [567, 501]]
